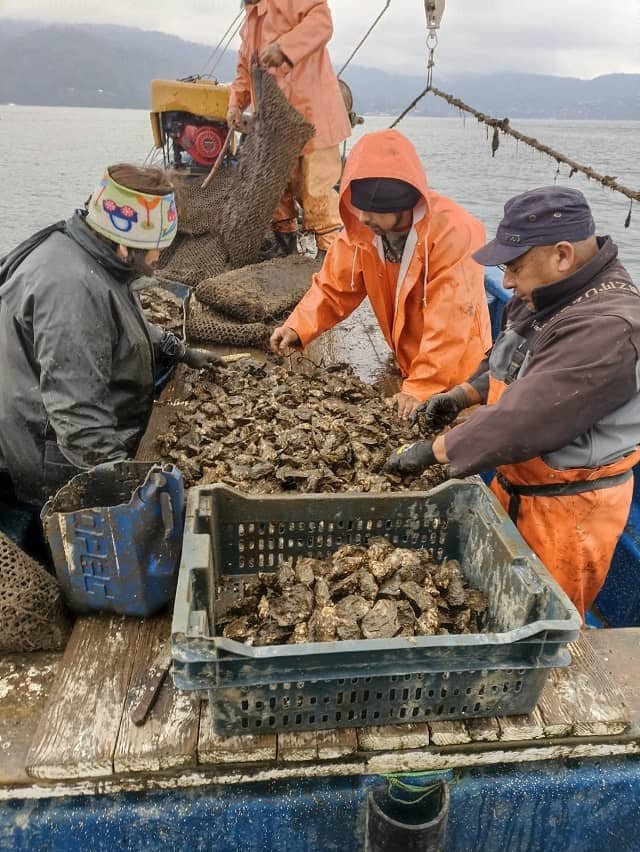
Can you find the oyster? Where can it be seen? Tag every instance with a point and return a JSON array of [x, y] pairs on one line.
[[428, 623], [381, 622], [286, 574], [353, 606], [368, 586], [323, 624], [418, 595], [321, 592], [240, 629], [295, 605]]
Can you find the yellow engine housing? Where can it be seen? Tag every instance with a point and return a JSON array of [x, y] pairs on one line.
[[203, 98]]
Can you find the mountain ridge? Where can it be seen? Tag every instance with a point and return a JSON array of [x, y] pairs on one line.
[[112, 66]]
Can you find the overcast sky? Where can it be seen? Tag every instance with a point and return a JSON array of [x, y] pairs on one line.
[[581, 38]]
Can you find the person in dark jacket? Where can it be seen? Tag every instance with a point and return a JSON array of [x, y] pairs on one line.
[[560, 387], [77, 355]]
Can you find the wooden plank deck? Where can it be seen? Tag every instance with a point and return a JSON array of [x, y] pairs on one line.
[[169, 738], [25, 685], [84, 698]]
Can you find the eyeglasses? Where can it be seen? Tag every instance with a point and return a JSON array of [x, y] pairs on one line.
[[514, 266]]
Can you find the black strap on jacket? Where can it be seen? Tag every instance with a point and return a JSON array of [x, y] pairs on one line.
[[564, 489]]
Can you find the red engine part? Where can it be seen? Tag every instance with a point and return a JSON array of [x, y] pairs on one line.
[[202, 142]]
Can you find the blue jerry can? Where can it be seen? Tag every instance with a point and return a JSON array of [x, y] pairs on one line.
[[115, 534]]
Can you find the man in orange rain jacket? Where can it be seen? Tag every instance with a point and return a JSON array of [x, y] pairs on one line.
[[409, 250], [290, 38], [561, 385]]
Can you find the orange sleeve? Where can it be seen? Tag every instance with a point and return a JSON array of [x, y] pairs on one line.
[[451, 331], [335, 292], [241, 87], [313, 31]]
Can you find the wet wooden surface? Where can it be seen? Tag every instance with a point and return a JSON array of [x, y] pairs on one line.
[[618, 653], [169, 737], [83, 699], [79, 726], [25, 684]]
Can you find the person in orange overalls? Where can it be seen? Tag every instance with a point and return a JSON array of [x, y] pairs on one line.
[[408, 249], [290, 38], [561, 419]]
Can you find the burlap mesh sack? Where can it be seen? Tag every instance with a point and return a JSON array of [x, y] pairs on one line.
[[200, 210], [260, 293], [264, 167], [205, 325], [243, 306], [194, 259], [223, 226], [32, 612]]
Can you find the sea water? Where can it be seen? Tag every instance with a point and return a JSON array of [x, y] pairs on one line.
[[51, 157]]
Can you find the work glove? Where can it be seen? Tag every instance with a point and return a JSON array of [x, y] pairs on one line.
[[200, 359], [410, 459], [440, 410]]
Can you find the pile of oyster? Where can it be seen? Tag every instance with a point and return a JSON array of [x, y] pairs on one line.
[[358, 593], [162, 308], [262, 428]]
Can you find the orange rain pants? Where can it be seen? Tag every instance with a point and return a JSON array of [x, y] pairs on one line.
[[574, 535], [313, 186]]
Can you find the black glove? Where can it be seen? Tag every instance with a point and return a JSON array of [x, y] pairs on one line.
[[198, 359], [410, 459], [440, 410]]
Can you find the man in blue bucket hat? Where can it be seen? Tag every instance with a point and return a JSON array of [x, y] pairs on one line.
[[559, 391], [77, 355]]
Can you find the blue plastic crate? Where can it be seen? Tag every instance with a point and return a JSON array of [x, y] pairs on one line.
[[230, 537]]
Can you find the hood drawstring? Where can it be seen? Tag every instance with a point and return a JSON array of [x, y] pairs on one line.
[[426, 276], [353, 267]]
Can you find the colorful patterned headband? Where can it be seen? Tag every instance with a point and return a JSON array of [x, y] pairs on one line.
[[131, 218]]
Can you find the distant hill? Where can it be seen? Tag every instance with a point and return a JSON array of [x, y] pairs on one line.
[[110, 66]]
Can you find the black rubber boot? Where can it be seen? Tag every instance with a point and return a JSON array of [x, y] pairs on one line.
[[288, 242], [269, 249]]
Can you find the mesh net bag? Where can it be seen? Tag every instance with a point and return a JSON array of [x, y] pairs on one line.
[[260, 293], [200, 210], [243, 306], [204, 325], [194, 259], [32, 612], [264, 167], [223, 226]]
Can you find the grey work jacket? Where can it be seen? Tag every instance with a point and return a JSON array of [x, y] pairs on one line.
[[76, 359]]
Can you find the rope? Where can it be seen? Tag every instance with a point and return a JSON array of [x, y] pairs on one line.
[[410, 783], [502, 125], [414, 103], [215, 50], [364, 37], [420, 793]]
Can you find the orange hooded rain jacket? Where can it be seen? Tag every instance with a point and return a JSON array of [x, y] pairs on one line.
[[302, 29], [431, 306]]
